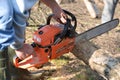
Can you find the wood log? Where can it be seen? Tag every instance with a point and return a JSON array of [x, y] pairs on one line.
[[99, 60]]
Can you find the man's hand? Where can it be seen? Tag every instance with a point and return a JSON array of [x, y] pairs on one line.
[[25, 51], [59, 14]]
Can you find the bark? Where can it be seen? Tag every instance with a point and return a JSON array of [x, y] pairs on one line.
[[100, 60]]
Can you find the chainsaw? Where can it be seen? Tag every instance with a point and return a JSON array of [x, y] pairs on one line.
[[51, 41]]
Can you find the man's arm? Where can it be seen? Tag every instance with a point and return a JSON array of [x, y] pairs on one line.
[[51, 3], [59, 15]]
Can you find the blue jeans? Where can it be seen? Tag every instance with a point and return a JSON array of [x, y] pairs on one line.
[[13, 17], [108, 11]]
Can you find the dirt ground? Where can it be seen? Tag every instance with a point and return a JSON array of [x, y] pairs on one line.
[[69, 67]]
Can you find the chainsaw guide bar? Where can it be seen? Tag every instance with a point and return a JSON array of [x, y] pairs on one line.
[[97, 31]]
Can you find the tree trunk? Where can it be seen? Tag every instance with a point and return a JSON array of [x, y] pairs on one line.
[[100, 60]]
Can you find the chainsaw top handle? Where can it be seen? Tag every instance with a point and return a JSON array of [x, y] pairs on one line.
[[67, 26], [69, 14]]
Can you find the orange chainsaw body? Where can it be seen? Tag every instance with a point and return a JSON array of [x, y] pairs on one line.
[[44, 47], [50, 42]]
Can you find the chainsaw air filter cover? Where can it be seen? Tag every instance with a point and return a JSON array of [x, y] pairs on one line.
[[46, 35]]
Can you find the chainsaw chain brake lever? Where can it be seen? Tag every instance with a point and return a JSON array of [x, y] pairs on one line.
[[68, 27]]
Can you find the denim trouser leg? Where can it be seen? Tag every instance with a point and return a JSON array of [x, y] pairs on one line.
[[109, 9], [6, 28]]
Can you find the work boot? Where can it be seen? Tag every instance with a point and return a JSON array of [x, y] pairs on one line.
[[4, 65]]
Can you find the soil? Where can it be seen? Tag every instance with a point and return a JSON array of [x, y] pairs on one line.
[[75, 69]]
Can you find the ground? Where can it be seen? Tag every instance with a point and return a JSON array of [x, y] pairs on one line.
[[68, 67]]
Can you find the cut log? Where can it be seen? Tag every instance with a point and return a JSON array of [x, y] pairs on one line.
[[100, 60]]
